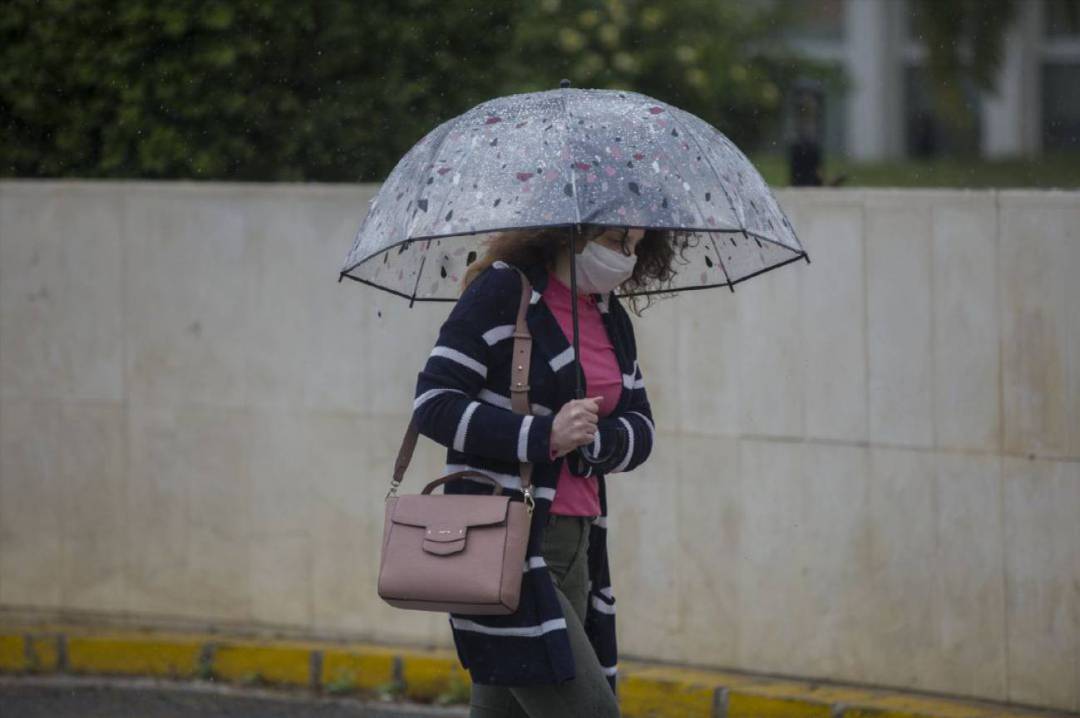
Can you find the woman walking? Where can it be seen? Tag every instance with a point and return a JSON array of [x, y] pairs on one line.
[[556, 655]]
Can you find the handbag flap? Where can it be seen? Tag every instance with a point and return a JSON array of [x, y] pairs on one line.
[[458, 511]]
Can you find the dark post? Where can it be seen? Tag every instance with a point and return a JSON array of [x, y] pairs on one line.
[[804, 152]]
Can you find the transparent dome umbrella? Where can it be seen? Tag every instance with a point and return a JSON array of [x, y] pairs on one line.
[[569, 157]]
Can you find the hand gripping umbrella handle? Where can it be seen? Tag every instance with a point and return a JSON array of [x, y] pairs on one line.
[[519, 391]]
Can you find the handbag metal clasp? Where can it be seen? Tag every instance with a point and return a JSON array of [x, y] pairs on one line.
[[529, 502]]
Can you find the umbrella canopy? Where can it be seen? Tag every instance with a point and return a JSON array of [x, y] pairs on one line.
[[569, 157]]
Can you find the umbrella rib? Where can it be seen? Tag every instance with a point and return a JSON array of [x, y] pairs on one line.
[[464, 161], [742, 227], [403, 295], [687, 123], [702, 214], [566, 140], [419, 273], [486, 230], [696, 287], [722, 267], [442, 205], [737, 215], [432, 156], [396, 293]]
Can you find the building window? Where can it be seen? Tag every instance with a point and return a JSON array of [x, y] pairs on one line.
[[1061, 18], [927, 133], [1061, 106], [817, 20], [1060, 75], [815, 29]]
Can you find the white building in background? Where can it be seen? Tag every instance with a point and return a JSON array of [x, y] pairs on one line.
[[887, 110]]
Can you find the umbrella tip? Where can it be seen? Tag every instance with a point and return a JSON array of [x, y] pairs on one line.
[[564, 82]]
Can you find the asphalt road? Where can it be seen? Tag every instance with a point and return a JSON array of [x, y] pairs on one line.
[[71, 697]]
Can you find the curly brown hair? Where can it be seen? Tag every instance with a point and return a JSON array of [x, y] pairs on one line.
[[541, 245]]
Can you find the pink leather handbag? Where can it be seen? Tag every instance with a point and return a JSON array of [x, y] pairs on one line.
[[460, 553]]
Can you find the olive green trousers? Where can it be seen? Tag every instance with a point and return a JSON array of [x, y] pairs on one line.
[[588, 694]]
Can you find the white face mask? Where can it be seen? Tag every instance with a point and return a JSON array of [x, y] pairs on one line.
[[600, 270]]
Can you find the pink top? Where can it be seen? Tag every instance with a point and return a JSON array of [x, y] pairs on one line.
[[579, 495]]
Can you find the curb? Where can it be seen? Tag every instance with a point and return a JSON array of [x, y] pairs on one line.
[[434, 675], [14, 686]]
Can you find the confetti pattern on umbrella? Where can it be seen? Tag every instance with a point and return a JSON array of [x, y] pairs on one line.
[[563, 157]]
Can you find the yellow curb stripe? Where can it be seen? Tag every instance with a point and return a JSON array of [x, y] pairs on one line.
[[642, 697], [12, 653], [362, 668], [655, 691], [132, 656], [875, 713], [44, 653], [752, 705], [253, 662], [428, 676]]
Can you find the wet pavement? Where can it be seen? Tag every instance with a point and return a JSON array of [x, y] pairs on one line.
[[69, 696]]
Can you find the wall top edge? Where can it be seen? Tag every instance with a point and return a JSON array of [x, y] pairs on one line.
[[830, 195], [328, 189]]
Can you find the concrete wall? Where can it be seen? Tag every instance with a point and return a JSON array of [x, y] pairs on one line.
[[868, 468]]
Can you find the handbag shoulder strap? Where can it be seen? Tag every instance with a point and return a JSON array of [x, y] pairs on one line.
[[519, 390], [519, 364]]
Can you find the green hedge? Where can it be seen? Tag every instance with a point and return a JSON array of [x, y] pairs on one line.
[[336, 90]]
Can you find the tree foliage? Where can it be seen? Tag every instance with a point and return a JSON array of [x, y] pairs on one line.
[[718, 60], [965, 43], [338, 91]]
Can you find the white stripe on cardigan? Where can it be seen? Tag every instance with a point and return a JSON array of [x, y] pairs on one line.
[[555, 624], [629, 446], [463, 426], [462, 359]]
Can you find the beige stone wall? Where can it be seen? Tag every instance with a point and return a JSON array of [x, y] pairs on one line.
[[868, 467]]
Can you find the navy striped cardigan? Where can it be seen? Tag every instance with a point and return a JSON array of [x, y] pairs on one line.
[[462, 401]]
